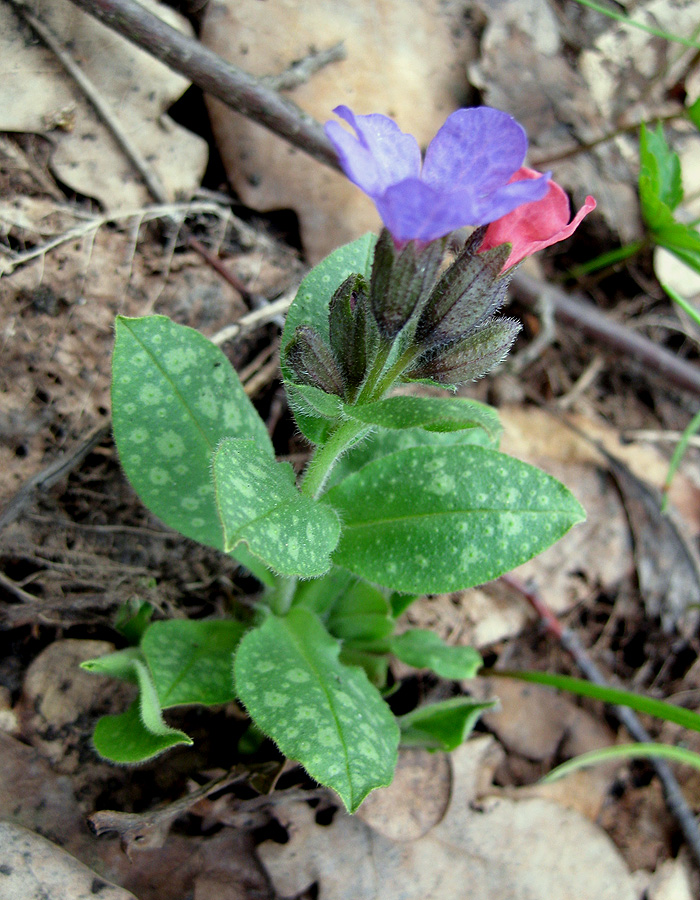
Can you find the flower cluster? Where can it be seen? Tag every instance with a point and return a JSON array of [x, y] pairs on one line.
[[441, 324]]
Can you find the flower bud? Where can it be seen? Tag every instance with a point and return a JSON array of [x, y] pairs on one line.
[[470, 357], [353, 333], [401, 281], [468, 293], [312, 362]]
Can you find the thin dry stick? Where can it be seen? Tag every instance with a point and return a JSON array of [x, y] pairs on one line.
[[577, 312], [237, 89], [675, 800], [58, 469]]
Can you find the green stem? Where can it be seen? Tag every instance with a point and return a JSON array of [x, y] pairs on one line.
[[374, 373], [281, 596], [326, 456]]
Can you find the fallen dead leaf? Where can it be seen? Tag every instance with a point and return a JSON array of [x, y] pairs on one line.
[[501, 848], [37, 95], [404, 59]]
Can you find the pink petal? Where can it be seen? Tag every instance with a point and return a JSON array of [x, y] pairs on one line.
[[536, 225]]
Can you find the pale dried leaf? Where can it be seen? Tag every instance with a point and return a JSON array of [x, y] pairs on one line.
[[501, 848], [37, 95]]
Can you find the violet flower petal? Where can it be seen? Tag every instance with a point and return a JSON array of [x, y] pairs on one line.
[[479, 148], [379, 156]]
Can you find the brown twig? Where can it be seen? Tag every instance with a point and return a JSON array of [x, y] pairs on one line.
[[577, 312], [234, 87], [675, 800], [58, 469]]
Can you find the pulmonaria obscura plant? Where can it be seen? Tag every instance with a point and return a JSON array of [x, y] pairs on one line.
[[402, 496]]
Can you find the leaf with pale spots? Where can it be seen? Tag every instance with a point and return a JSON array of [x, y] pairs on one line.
[[438, 519], [174, 397], [382, 443], [190, 661], [442, 726], [318, 711], [311, 307], [426, 650], [432, 413], [259, 503]]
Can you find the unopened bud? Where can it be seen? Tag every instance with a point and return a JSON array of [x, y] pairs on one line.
[[312, 362], [467, 294], [353, 333], [401, 281], [469, 357]]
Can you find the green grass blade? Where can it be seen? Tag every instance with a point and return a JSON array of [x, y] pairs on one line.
[[657, 32], [625, 751], [657, 708]]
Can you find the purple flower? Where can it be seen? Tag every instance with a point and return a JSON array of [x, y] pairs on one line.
[[464, 179]]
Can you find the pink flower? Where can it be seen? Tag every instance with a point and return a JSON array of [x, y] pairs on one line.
[[535, 225]]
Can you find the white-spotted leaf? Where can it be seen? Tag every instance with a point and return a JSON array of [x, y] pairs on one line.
[[432, 413], [438, 519], [174, 397], [318, 711], [259, 503], [426, 650], [191, 661]]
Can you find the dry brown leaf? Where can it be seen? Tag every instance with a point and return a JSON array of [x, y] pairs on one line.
[[37, 95], [402, 60], [500, 848]]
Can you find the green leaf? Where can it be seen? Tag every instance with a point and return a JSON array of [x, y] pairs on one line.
[[400, 602], [681, 240], [426, 650], [133, 618], [315, 411], [693, 113], [174, 397], [361, 614], [117, 665], [259, 503], [376, 665], [141, 732], [324, 714], [660, 168], [125, 739], [658, 708], [442, 726], [440, 519], [382, 443], [432, 413], [192, 661], [320, 594], [311, 307]]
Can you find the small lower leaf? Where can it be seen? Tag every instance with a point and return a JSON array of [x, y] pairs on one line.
[[259, 503], [442, 726], [324, 714], [426, 650], [125, 739], [141, 732]]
